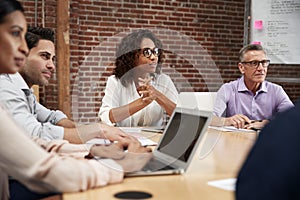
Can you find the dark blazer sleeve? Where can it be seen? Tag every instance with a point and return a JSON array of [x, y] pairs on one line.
[[272, 169]]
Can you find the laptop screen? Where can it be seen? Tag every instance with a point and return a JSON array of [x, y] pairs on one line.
[[182, 135]]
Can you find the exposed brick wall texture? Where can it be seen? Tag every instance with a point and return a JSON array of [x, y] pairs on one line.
[[201, 41]]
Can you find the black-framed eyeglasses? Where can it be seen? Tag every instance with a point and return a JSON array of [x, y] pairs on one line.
[[256, 63], [147, 52]]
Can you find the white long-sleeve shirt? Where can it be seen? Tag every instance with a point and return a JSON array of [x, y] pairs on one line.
[[26, 111], [58, 171], [117, 95]]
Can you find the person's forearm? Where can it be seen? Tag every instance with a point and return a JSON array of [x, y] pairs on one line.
[[123, 112], [66, 123], [219, 121], [83, 133], [166, 103], [71, 134]]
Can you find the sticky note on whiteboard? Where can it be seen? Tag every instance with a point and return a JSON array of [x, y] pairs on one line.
[[258, 24], [256, 42]]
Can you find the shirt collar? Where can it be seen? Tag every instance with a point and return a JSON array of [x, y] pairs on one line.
[[242, 87], [19, 82]]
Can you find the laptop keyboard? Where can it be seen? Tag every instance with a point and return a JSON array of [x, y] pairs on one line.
[[155, 165]]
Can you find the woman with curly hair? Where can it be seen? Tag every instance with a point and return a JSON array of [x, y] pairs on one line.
[[137, 94]]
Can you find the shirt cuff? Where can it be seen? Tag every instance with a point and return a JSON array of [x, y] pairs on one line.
[[58, 115], [52, 132], [104, 117]]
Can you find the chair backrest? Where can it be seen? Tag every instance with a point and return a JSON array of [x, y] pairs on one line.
[[197, 100], [36, 92]]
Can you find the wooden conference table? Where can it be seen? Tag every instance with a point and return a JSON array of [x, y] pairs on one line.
[[220, 157]]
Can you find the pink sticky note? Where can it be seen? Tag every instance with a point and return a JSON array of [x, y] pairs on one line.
[[256, 42], [258, 24]]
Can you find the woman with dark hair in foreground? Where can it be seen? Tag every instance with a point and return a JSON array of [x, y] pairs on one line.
[[23, 159]]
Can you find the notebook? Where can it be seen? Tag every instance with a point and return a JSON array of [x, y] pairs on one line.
[[178, 143]]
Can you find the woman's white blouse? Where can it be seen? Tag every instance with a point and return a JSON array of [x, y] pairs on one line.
[[117, 95]]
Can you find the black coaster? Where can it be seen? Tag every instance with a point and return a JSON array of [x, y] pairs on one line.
[[133, 195]]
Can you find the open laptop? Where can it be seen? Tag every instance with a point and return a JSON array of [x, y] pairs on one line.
[[178, 143]]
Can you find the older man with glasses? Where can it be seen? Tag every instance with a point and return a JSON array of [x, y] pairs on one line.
[[250, 101]]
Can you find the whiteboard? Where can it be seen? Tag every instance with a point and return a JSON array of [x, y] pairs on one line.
[[275, 24]]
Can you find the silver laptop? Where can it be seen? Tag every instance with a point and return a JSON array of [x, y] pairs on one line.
[[178, 143]]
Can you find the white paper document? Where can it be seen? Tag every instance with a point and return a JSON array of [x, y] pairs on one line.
[[144, 141], [135, 132], [225, 184], [231, 129], [131, 129]]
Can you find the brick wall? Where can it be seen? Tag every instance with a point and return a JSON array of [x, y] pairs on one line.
[[201, 41]]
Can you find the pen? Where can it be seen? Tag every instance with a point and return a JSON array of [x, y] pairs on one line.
[[152, 130]]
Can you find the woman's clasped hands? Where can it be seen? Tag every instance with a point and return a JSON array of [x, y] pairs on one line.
[[147, 92]]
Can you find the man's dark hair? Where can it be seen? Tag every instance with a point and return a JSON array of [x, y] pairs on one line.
[[35, 34]]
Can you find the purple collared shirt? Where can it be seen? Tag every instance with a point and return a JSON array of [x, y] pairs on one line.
[[234, 98]]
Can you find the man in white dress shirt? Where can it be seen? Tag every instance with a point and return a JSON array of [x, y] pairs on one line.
[[16, 94]]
